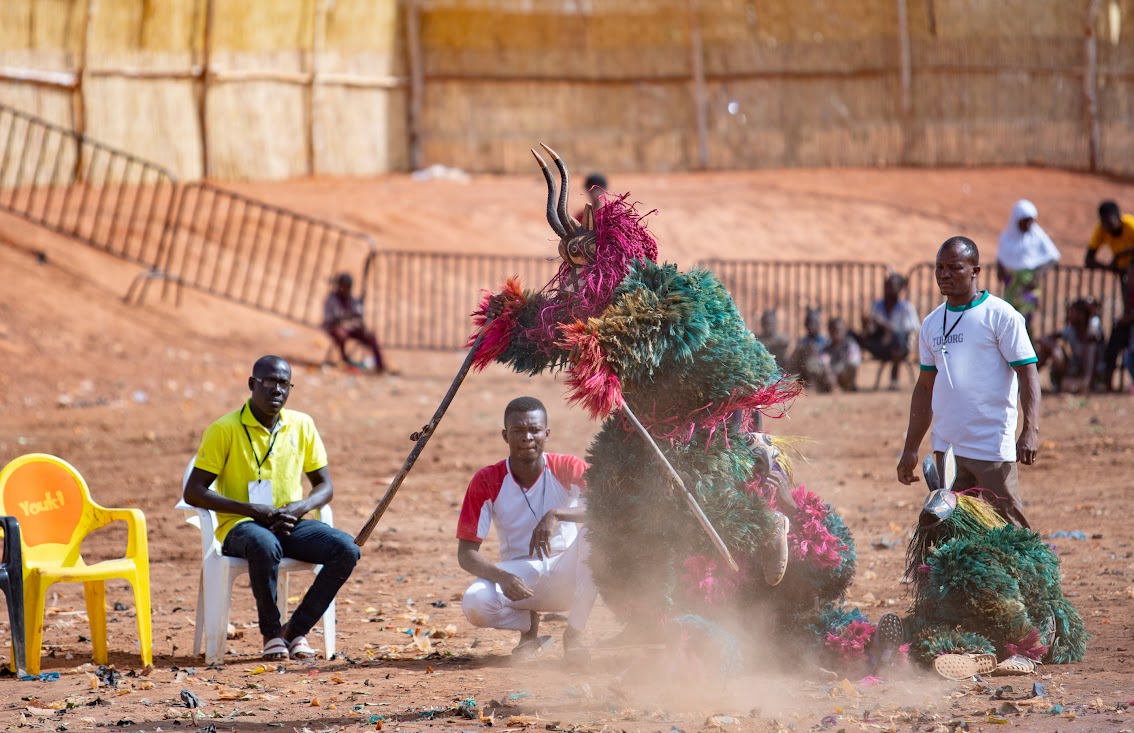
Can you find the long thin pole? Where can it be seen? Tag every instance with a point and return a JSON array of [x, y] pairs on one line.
[[422, 438], [700, 95], [689, 498]]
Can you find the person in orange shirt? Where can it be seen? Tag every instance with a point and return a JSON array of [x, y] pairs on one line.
[[1115, 231]]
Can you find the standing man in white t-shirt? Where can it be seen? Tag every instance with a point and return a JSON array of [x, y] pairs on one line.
[[535, 501], [975, 357]]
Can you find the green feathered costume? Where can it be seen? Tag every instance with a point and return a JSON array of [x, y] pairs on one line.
[[982, 585]]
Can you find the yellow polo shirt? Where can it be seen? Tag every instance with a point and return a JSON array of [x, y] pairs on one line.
[[234, 445], [1122, 246]]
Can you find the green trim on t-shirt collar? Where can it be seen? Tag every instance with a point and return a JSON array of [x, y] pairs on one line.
[[970, 304]]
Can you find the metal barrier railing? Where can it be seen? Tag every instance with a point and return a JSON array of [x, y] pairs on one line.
[[844, 289], [107, 198], [422, 300], [1058, 289], [262, 256]]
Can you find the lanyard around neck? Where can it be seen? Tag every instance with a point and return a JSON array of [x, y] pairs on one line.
[[945, 312], [542, 487], [271, 443]]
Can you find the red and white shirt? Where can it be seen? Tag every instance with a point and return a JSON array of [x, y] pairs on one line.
[[495, 498]]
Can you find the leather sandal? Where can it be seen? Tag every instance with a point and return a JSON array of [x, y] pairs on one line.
[[275, 650], [300, 649]]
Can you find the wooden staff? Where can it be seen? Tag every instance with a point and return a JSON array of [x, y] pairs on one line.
[[422, 438], [689, 498]]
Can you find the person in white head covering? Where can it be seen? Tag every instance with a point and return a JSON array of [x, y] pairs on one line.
[[1024, 255]]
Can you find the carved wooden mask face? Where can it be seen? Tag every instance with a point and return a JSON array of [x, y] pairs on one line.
[[578, 249]]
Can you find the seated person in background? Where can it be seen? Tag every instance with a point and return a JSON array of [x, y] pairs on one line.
[[1073, 352], [342, 320], [887, 328], [257, 456], [809, 359], [843, 355], [1115, 231], [535, 501], [774, 340]]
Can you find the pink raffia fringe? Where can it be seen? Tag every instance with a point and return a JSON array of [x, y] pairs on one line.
[[590, 381], [1029, 646], [712, 582], [498, 334], [809, 536], [850, 641]]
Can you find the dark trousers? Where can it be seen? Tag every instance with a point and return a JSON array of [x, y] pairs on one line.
[[311, 541], [1116, 346], [341, 334]]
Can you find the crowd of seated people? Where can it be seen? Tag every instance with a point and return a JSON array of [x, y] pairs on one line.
[[1080, 357]]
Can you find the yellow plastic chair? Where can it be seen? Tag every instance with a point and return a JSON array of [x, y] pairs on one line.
[[55, 511]]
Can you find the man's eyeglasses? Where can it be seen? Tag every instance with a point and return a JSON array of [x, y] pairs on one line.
[[272, 383]]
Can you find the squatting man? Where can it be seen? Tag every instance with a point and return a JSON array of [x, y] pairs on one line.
[[535, 501]]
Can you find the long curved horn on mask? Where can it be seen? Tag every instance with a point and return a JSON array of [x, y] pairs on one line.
[[552, 217], [568, 222]]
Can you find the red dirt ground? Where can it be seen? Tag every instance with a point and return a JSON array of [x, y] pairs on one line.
[[123, 393]]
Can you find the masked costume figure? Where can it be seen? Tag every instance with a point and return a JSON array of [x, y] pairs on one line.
[[672, 346]]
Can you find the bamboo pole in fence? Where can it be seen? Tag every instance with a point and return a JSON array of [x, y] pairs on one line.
[[78, 104], [417, 83], [905, 75], [203, 86], [1090, 85], [311, 84], [700, 95]]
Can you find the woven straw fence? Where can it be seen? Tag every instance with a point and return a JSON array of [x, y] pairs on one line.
[[268, 89]]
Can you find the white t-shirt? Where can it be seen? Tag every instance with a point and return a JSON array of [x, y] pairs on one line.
[[495, 498], [974, 394]]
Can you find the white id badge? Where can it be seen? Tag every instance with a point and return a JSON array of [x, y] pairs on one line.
[[260, 492]]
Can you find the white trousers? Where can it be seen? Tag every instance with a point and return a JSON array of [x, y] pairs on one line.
[[561, 583]]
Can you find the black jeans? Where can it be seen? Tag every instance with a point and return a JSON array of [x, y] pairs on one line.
[[1116, 346], [311, 541]]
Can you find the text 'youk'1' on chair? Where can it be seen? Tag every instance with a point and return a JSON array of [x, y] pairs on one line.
[[12, 583], [53, 505], [219, 572]]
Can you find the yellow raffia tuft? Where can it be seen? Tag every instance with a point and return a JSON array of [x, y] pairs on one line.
[[788, 447], [981, 511]]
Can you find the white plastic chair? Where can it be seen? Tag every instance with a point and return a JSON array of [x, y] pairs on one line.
[[214, 596]]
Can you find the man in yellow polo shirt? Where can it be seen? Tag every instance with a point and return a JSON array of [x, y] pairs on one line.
[[257, 455], [1115, 231]]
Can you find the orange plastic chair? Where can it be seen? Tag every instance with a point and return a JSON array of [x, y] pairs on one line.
[[55, 511]]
